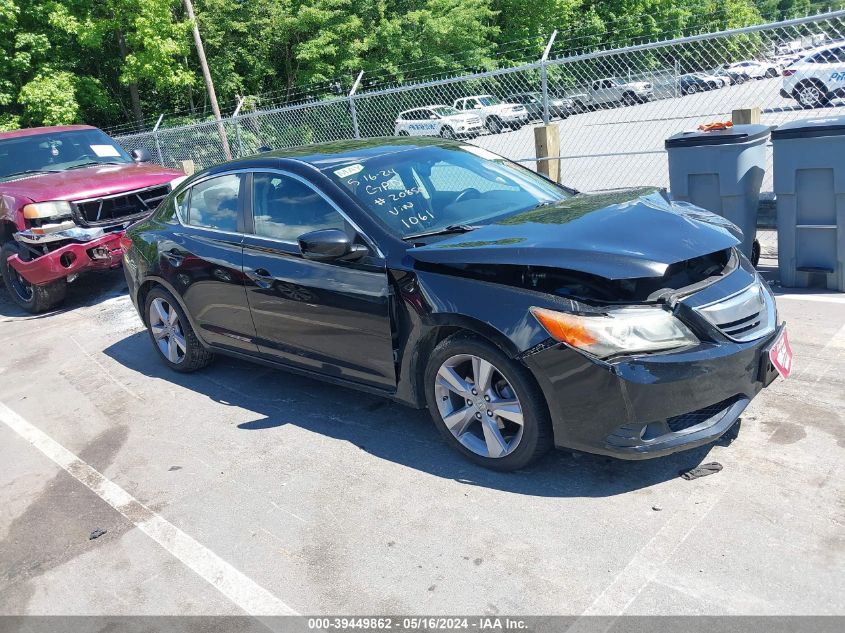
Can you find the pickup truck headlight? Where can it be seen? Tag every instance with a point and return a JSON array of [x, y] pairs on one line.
[[620, 331], [53, 209]]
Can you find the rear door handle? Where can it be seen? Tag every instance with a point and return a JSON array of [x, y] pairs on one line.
[[174, 257], [262, 277]]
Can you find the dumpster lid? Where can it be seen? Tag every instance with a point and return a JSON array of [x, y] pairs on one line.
[[735, 134], [809, 128]]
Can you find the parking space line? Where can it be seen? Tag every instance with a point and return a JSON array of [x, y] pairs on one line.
[[237, 587]]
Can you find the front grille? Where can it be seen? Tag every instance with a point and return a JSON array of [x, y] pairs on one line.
[[694, 418], [745, 316], [119, 207]]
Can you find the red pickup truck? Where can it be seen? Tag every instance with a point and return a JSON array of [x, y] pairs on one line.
[[66, 195]]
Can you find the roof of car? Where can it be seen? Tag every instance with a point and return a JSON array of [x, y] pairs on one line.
[[334, 153], [34, 131]]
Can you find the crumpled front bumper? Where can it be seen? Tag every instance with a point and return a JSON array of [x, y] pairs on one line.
[[650, 405], [101, 253]]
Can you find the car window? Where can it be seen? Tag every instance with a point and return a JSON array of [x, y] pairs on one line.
[[214, 203], [284, 208]]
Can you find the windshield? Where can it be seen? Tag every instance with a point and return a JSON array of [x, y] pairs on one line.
[[488, 101], [445, 111], [57, 151], [427, 189]]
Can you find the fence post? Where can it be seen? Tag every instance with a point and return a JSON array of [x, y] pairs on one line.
[[352, 105], [745, 115], [547, 145], [155, 137], [544, 77], [238, 125]]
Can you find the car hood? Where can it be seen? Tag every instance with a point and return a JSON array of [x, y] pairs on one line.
[[89, 182], [621, 235]]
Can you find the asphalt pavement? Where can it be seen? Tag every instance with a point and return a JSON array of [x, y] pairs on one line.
[[244, 490]]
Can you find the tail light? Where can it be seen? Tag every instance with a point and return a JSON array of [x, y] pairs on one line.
[[788, 72], [125, 243]]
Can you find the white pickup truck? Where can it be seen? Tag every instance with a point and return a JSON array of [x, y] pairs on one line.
[[611, 92]]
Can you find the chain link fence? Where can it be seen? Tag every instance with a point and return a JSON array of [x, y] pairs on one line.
[[614, 107]]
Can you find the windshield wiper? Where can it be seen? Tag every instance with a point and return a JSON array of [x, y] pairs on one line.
[[94, 162], [451, 228], [32, 171]]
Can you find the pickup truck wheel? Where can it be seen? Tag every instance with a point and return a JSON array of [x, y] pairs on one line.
[[32, 298], [629, 98], [172, 334], [447, 132], [494, 125]]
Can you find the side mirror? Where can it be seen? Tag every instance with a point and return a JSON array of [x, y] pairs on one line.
[[325, 245], [141, 155]]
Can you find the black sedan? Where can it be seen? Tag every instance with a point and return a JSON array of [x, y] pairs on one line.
[[522, 314], [695, 82]]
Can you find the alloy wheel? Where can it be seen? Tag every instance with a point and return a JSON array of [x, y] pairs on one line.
[[479, 406], [809, 95], [167, 331]]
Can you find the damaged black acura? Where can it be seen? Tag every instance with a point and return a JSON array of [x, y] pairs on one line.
[[522, 314]]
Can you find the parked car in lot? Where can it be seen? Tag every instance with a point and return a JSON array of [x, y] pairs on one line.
[[817, 78], [559, 107], [698, 82], [66, 194], [755, 69], [733, 77], [495, 114], [438, 120], [521, 313], [612, 92]]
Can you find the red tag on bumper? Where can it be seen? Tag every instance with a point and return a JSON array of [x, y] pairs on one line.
[[781, 354]]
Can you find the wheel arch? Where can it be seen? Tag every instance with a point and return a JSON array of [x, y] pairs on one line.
[[444, 326], [144, 289]]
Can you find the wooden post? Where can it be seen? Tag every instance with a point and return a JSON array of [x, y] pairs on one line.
[[187, 167], [547, 144], [745, 115]]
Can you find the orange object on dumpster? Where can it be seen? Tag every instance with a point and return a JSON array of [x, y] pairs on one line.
[[716, 125]]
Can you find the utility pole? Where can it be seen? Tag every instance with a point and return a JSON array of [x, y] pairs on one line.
[[209, 84]]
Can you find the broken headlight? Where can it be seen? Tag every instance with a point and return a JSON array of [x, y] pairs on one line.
[[622, 331]]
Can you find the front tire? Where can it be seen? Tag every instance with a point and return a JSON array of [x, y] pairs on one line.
[[494, 125], [171, 333], [32, 298], [486, 405], [447, 132]]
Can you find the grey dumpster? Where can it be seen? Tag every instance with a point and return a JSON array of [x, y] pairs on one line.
[[721, 171], [809, 182]]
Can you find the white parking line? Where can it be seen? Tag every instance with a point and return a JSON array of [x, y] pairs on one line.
[[819, 298], [241, 590]]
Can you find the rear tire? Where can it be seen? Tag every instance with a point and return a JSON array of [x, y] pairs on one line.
[[479, 429], [171, 333], [32, 298], [811, 94]]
